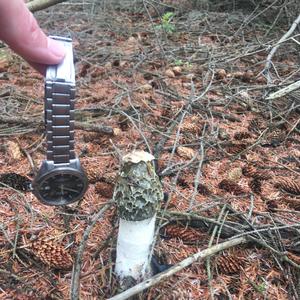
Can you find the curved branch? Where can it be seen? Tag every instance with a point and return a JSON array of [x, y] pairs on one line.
[[275, 48], [36, 5]]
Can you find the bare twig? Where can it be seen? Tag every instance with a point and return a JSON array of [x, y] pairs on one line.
[[75, 285], [275, 48], [284, 91], [106, 130], [178, 267]]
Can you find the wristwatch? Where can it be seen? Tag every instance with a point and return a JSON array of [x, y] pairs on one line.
[[61, 180]]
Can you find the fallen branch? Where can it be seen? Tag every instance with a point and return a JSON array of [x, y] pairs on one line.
[[105, 130], [275, 48], [284, 91], [178, 267], [36, 5]]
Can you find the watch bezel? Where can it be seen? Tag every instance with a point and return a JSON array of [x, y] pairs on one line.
[[36, 185]]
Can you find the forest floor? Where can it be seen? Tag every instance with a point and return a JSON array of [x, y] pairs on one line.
[[190, 90]]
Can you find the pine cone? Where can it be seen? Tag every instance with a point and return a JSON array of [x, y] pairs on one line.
[[249, 170], [109, 177], [292, 202], [288, 185], [123, 122], [181, 181], [186, 234], [274, 138], [256, 125], [191, 125], [241, 135], [52, 253], [204, 190], [229, 264], [271, 205], [104, 189], [231, 187], [237, 148], [255, 186], [16, 181], [91, 170], [185, 152], [261, 175]]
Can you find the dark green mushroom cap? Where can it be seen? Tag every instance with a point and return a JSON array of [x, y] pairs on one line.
[[138, 190]]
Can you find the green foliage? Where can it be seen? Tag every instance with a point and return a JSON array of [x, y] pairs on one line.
[[180, 62], [166, 24]]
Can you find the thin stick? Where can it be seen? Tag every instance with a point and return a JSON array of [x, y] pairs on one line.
[[105, 130], [75, 285], [275, 48], [284, 91]]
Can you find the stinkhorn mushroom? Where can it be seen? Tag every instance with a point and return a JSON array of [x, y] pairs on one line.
[[138, 193]]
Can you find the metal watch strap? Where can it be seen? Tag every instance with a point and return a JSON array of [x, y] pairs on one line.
[[59, 107]]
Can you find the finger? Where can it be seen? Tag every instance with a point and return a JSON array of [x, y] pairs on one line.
[[41, 68], [20, 30]]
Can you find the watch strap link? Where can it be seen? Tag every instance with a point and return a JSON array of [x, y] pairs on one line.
[[59, 107], [59, 117]]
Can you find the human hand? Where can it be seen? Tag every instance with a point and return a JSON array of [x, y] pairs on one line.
[[21, 32]]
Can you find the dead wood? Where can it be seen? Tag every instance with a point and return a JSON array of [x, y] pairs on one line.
[[178, 267], [37, 5], [105, 130], [277, 45]]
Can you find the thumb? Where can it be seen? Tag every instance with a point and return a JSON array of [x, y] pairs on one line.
[[20, 30]]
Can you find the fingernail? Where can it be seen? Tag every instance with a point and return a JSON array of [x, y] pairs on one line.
[[56, 48]]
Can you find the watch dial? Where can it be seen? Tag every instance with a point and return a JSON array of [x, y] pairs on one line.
[[61, 188]]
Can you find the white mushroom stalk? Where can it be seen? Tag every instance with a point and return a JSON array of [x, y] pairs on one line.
[[138, 193]]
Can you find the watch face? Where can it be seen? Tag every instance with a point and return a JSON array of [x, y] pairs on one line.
[[62, 188]]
